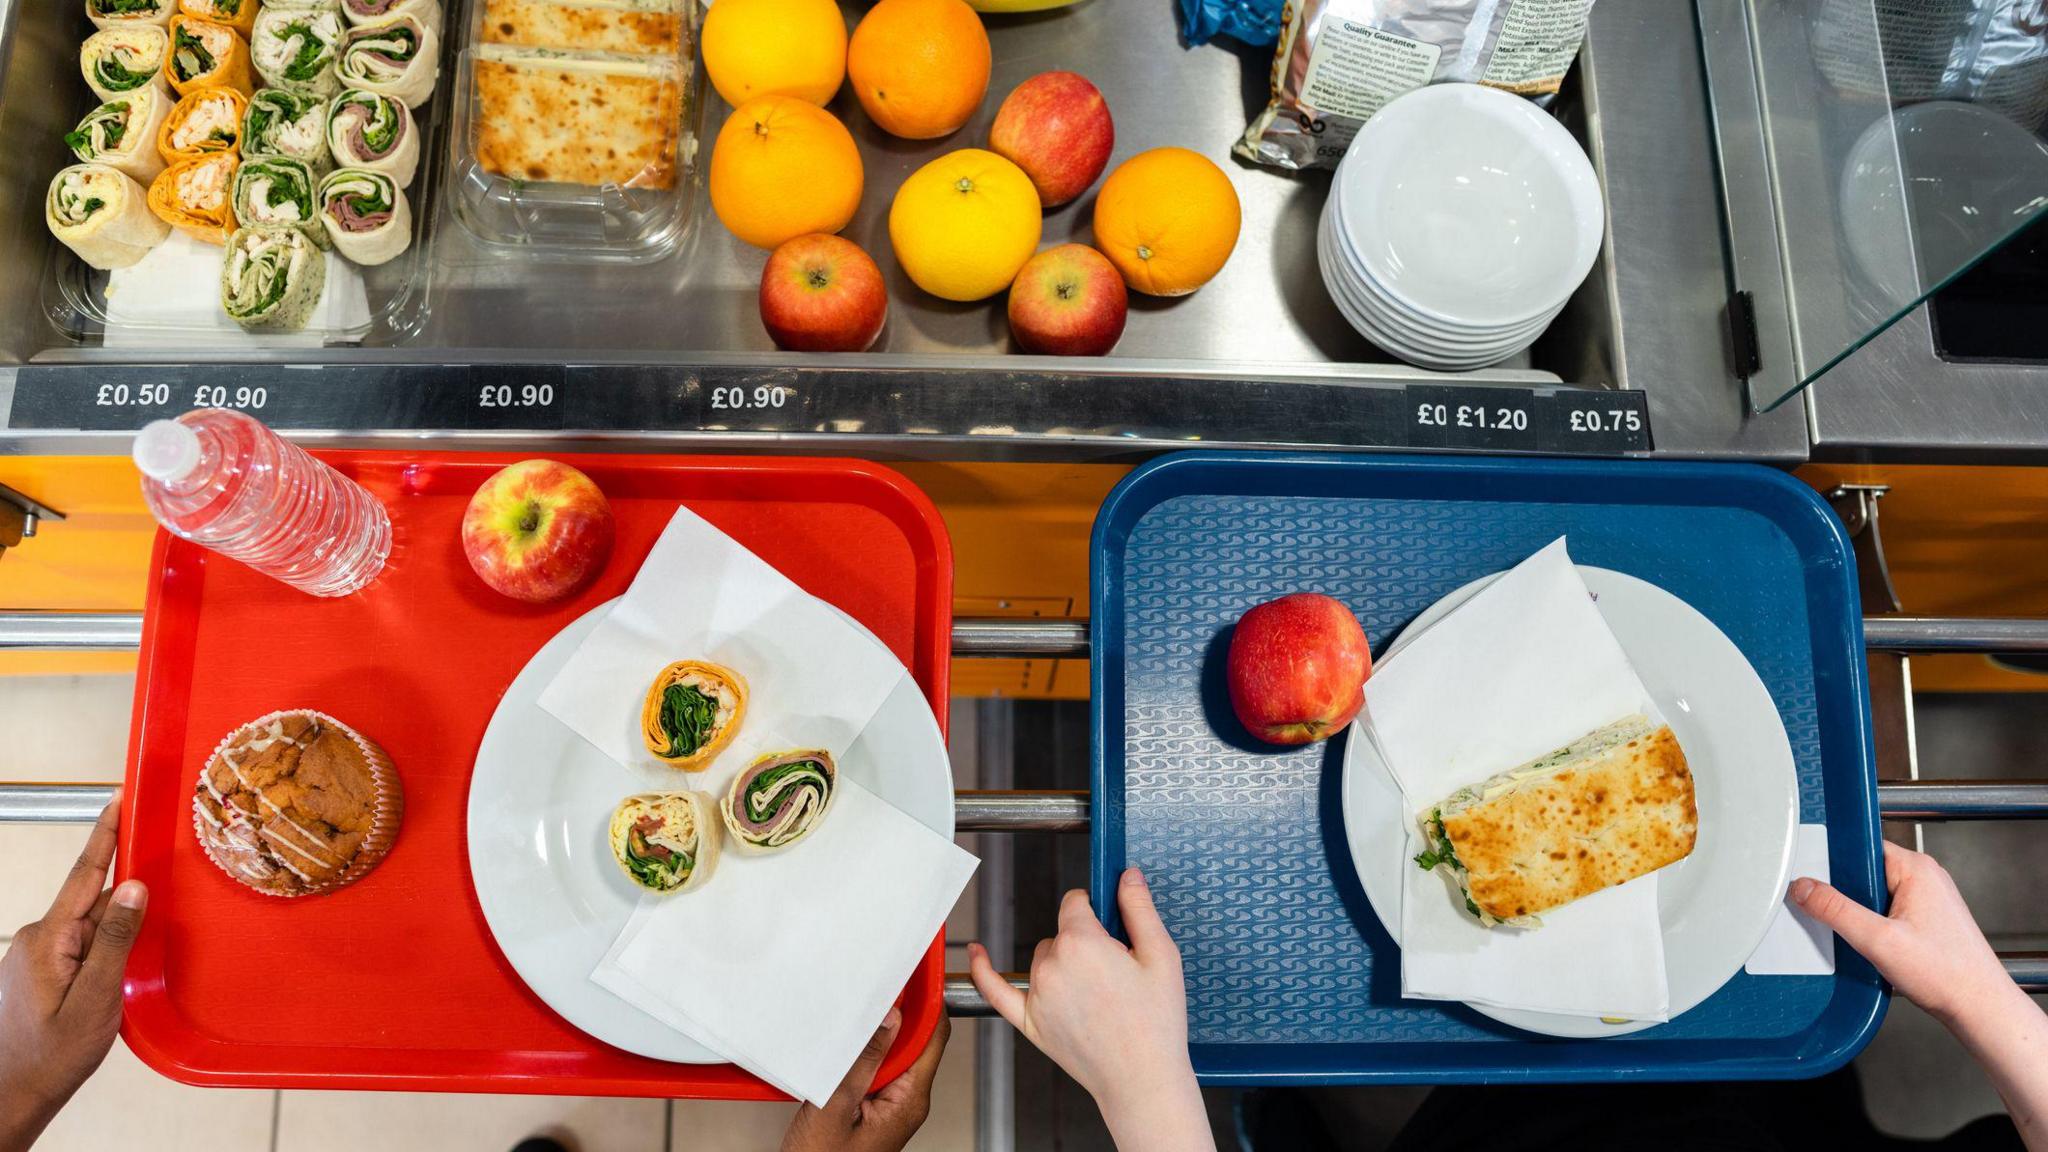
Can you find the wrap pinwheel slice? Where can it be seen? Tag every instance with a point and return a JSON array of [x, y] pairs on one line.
[[203, 122], [103, 215], [279, 191], [124, 13], [778, 800], [365, 215], [272, 278], [368, 130], [297, 50], [192, 196], [237, 14], [377, 11], [282, 123], [122, 134], [207, 55], [399, 57], [666, 841], [124, 59], [692, 712]]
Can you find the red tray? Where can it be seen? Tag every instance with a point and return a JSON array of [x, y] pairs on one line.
[[395, 982]]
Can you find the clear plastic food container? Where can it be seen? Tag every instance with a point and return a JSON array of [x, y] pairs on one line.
[[608, 176], [92, 307]]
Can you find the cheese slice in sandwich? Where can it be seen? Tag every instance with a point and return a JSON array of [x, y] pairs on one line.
[[1615, 804]]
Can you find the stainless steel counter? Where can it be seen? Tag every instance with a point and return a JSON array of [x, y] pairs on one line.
[[1259, 357]]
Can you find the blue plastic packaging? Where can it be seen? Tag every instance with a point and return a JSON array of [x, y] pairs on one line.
[[1255, 22], [1290, 977]]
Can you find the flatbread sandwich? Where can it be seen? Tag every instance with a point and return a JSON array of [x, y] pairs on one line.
[[1612, 805]]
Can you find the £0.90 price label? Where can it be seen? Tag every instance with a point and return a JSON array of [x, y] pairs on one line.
[[245, 397], [515, 395], [761, 397]]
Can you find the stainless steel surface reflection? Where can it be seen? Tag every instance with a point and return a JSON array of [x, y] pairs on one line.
[[704, 298]]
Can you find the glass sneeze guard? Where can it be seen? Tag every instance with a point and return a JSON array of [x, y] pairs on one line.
[[1901, 142]]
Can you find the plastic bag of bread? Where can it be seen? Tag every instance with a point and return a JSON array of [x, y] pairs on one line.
[[1338, 61]]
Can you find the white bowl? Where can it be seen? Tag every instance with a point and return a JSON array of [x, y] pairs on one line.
[[1470, 205], [1399, 314], [1367, 313]]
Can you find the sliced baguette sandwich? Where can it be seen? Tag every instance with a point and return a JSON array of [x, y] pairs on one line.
[[1615, 804]]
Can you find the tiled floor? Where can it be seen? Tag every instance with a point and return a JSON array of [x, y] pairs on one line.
[[128, 1105]]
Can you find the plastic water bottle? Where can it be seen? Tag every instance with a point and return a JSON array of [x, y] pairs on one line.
[[222, 480]]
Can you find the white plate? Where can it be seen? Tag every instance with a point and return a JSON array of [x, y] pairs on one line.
[[1471, 204], [540, 805], [1716, 903]]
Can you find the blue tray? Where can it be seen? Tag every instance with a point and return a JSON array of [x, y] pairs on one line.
[[1290, 976]]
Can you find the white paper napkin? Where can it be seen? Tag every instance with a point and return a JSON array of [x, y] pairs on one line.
[[171, 298], [1525, 666], [787, 963], [1796, 944], [814, 678]]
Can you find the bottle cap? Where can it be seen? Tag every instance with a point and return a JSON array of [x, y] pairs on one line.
[[166, 450]]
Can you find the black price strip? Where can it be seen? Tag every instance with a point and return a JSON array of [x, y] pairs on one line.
[[1573, 421], [455, 397], [543, 398]]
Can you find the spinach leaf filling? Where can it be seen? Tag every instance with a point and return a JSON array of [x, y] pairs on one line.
[[653, 871], [687, 717], [189, 56]]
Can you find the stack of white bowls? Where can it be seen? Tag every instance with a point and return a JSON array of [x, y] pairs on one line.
[[1461, 220]]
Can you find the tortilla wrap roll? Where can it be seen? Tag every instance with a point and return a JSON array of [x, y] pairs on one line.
[[399, 57], [192, 196], [692, 712], [370, 130], [121, 134], [365, 215], [293, 124], [278, 191], [778, 800], [666, 841], [272, 278], [296, 49], [125, 58], [103, 215], [1611, 806], [378, 11], [237, 14], [204, 122], [207, 55], [129, 13]]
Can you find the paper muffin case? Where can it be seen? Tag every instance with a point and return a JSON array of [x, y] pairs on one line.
[[388, 813]]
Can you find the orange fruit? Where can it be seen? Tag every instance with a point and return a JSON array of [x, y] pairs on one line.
[[1168, 220], [755, 48], [964, 224], [920, 67], [783, 167]]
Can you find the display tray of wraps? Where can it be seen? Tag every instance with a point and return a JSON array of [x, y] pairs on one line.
[[1293, 970], [394, 979]]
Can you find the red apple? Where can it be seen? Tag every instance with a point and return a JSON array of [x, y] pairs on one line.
[[537, 530], [1057, 128], [1297, 668], [1068, 301], [821, 293]]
